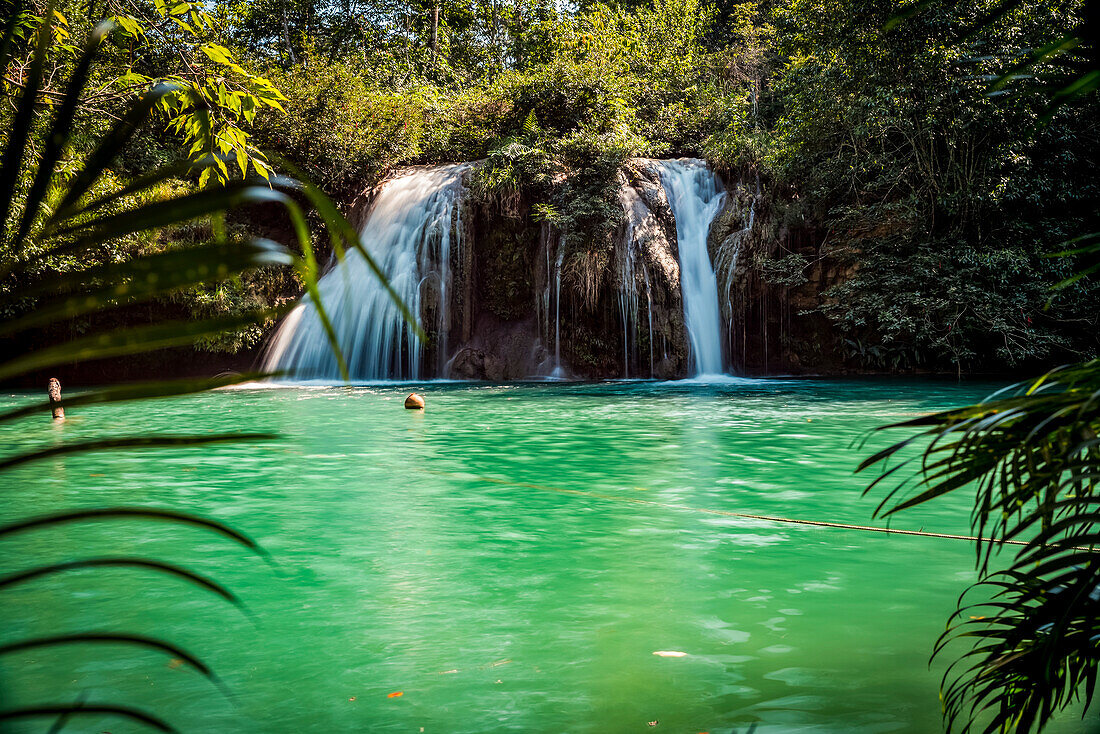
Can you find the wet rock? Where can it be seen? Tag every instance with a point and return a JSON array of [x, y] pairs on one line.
[[499, 350], [657, 279], [468, 364]]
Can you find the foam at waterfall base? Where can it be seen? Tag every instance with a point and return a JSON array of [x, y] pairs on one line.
[[718, 379], [289, 383]]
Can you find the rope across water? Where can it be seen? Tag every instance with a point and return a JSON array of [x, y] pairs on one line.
[[724, 513]]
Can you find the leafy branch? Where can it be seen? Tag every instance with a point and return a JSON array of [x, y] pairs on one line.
[[211, 100], [48, 213]]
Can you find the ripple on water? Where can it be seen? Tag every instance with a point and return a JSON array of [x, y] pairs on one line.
[[410, 545]]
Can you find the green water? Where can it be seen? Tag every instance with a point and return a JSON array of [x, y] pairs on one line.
[[435, 554]]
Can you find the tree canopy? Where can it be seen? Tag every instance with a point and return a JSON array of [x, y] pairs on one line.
[[888, 137]]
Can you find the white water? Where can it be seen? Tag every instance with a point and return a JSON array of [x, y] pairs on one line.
[[696, 195], [558, 372], [411, 231], [629, 260], [628, 295], [731, 257]]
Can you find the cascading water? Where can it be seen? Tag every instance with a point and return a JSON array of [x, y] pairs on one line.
[[629, 262], [411, 231], [559, 371], [649, 314], [696, 196], [628, 293], [542, 298], [728, 256]]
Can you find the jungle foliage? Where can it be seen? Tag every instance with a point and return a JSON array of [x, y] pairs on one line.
[[72, 214], [891, 144], [937, 157], [1031, 455], [944, 185]]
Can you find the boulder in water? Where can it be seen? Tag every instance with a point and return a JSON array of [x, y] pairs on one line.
[[414, 402]]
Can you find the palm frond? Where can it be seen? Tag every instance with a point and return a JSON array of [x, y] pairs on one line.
[[117, 638], [12, 159], [72, 219], [136, 340], [138, 391], [55, 710], [129, 442], [1031, 455], [143, 513], [202, 582]]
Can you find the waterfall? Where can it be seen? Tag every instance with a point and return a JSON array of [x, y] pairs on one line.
[[629, 261], [628, 291], [696, 195], [559, 371], [728, 256], [411, 231]]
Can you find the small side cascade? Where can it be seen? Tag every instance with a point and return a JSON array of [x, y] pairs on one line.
[[649, 315], [542, 296], [558, 371], [732, 235], [449, 228], [413, 231], [696, 195], [630, 265], [728, 257], [551, 253]]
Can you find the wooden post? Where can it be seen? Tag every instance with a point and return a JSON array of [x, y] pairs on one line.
[[54, 391], [286, 37]]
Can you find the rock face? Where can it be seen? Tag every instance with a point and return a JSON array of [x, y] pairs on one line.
[[523, 303], [649, 237], [499, 350], [495, 327], [731, 243], [773, 326]]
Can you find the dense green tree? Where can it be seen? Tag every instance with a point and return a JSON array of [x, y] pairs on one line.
[[883, 145], [943, 200]]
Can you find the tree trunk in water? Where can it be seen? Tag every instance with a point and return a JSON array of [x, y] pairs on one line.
[[53, 389], [435, 32]]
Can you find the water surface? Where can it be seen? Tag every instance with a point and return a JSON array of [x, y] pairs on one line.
[[489, 560]]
